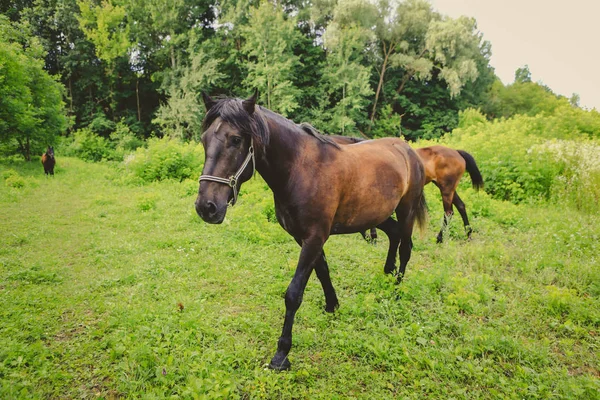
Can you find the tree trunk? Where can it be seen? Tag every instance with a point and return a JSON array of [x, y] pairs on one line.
[[71, 94], [28, 149], [173, 62], [405, 79], [381, 77], [343, 108], [137, 96]]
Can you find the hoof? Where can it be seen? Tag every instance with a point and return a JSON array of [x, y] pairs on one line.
[[440, 239], [280, 363], [388, 269], [331, 308]]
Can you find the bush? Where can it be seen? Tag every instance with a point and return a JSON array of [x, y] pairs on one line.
[[123, 141], [539, 157], [503, 151], [578, 183], [85, 144], [88, 146], [166, 159], [15, 181]]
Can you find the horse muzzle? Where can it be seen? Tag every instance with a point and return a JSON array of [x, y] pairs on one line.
[[210, 212]]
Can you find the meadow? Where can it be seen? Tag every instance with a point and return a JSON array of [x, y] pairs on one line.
[[114, 288]]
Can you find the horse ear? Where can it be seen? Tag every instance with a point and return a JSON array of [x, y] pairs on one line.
[[208, 101], [250, 103]]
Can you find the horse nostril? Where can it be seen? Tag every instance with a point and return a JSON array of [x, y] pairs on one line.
[[210, 208]]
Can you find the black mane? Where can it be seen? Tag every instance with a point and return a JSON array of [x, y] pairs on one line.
[[311, 130], [232, 111]]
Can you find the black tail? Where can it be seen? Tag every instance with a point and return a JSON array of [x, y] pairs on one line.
[[472, 169], [420, 211]]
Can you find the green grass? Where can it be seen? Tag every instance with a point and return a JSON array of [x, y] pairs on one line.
[[109, 289]]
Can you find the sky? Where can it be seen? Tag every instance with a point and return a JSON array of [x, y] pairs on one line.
[[558, 40]]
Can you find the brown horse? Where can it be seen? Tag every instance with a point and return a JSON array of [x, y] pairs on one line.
[[356, 187], [48, 161], [444, 167]]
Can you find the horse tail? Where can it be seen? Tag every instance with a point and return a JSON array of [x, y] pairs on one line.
[[420, 211], [472, 169]]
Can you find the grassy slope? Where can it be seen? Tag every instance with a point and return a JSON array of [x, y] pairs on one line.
[[92, 272]]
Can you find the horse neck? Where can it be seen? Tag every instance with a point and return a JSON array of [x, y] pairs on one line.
[[277, 162]]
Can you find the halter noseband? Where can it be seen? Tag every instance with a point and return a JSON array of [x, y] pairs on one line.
[[232, 181]]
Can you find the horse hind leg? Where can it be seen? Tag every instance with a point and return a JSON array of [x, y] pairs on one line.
[[447, 196], [460, 206], [406, 221], [390, 228], [322, 270]]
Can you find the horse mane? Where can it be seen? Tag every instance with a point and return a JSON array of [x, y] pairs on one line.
[[311, 130], [232, 111]]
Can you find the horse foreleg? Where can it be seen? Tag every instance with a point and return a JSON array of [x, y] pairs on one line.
[[460, 206], [311, 251], [322, 270]]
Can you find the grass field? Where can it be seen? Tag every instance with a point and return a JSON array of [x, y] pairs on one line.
[[110, 289]]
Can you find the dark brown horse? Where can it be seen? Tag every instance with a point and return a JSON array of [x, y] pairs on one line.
[[444, 167], [320, 189], [48, 161]]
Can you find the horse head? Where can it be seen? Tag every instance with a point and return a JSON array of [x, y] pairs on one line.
[[232, 129]]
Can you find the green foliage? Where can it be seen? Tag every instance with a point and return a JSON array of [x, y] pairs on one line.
[[270, 40], [388, 124], [88, 146], [470, 117], [31, 106], [181, 117], [345, 80], [526, 97], [105, 26], [539, 158], [123, 141], [166, 159]]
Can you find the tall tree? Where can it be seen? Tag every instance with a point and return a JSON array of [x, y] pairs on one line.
[[106, 27], [31, 107], [345, 78], [181, 116], [270, 40]]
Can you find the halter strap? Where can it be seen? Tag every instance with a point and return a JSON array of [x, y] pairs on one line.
[[232, 181]]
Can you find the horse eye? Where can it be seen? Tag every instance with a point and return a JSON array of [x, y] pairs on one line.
[[236, 140]]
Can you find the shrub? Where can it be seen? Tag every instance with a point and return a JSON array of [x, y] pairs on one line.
[[88, 146], [502, 149], [540, 157], [123, 141], [15, 181], [166, 159], [578, 183]]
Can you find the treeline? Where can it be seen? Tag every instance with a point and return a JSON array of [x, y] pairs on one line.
[[136, 67]]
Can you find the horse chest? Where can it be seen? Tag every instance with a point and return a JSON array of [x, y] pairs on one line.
[[286, 219]]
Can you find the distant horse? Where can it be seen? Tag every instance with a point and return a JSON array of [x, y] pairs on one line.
[[444, 167], [320, 189], [48, 161]]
